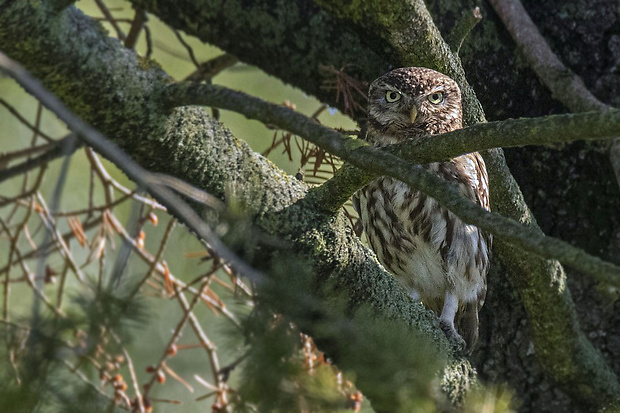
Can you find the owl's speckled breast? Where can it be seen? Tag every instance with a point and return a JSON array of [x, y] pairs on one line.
[[427, 247]]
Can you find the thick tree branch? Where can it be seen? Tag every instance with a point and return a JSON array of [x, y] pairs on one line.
[[408, 27], [563, 83], [109, 87], [304, 37]]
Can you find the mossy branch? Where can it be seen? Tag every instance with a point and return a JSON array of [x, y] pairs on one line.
[[408, 27], [78, 62], [575, 364], [481, 136], [374, 161]]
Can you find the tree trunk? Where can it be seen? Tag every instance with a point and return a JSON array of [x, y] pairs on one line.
[[571, 189]]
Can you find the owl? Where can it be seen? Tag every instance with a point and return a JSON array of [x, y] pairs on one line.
[[438, 258]]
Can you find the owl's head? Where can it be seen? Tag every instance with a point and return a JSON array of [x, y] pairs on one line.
[[412, 101]]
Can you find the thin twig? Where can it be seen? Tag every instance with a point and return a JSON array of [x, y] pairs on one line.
[[23, 120], [189, 49], [136, 27], [132, 373], [162, 271], [173, 339], [63, 248], [110, 18], [209, 347], [156, 258], [54, 150], [43, 249], [209, 69], [29, 277], [5, 158], [73, 369]]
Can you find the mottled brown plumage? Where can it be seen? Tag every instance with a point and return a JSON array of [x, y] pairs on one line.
[[440, 260]]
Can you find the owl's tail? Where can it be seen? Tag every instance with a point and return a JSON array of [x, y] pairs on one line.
[[467, 325]]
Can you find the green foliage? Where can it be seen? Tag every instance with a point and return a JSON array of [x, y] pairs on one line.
[[497, 399], [33, 377], [111, 308], [35, 366], [275, 377]]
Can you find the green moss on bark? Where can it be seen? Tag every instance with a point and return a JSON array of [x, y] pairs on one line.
[[120, 95]]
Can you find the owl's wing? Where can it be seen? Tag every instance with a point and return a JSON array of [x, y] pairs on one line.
[[358, 228], [469, 171], [356, 203]]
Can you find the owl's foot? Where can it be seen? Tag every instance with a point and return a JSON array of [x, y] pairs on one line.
[[456, 341]]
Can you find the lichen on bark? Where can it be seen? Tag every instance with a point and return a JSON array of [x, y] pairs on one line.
[[124, 98]]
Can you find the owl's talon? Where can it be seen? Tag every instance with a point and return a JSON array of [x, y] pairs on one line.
[[456, 341]]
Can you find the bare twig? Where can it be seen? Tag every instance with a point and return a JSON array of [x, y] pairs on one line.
[[156, 258], [23, 120], [53, 150], [161, 269], [133, 170], [6, 158], [222, 387], [43, 249], [209, 69], [190, 191], [110, 18], [48, 221], [73, 369], [136, 27], [189, 49], [187, 309]]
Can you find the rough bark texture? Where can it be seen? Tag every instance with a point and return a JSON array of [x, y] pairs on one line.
[[121, 95], [570, 189]]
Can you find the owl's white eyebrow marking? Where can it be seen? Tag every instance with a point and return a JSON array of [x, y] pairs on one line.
[[390, 87], [436, 89]]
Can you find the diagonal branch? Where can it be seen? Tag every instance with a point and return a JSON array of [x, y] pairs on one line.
[[374, 162], [481, 136], [564, 84]]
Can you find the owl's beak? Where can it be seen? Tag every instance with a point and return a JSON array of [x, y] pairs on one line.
[[414, 113]]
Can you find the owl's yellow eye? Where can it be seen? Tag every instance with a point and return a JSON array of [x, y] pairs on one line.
[[435, 98], [392, 96]]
